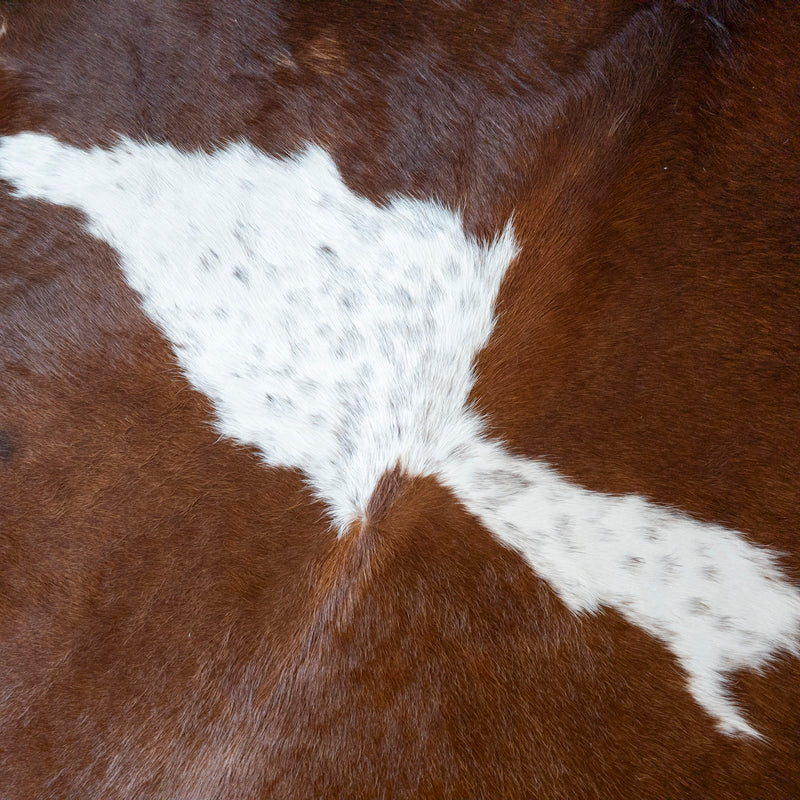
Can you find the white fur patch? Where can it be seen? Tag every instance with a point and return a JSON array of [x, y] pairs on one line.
[[338, 338]]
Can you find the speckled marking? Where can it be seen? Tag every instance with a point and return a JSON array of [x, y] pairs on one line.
[[338, 337]]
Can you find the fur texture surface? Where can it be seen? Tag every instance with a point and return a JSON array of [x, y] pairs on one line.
[[399, 400], [338, 339]]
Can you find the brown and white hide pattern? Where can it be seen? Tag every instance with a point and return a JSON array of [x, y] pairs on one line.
[[193, 610]]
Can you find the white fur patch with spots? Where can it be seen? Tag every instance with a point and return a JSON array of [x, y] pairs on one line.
[[338, 337]]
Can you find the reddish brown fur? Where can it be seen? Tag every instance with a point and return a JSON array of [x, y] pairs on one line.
[[177, 621]]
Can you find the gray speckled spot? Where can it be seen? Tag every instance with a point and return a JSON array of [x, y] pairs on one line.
[[670, 567], [651, 534], [328, 254], [698, 606], [241, 276], [209, 261]]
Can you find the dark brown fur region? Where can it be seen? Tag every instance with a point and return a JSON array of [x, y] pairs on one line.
[[178, 621]]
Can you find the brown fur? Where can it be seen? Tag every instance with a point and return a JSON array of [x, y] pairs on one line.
[[177, 621]]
